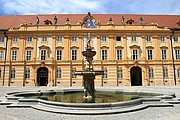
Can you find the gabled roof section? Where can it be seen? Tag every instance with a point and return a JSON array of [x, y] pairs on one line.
[[170, 21]]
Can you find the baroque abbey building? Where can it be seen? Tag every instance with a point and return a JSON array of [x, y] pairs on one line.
[[133, 50]]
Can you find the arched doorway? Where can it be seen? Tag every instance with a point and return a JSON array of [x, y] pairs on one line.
[[42, 76], [136, 76]]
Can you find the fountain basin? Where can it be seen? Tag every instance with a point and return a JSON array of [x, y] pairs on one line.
[[87, 108], [89, 53], [90, 73]]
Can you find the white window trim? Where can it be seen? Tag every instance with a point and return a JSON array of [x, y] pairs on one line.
[[104, 54], [74, 54], [119, 54], [28, 55], [59, 56]]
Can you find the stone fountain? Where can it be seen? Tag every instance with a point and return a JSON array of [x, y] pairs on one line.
[[89, 74]]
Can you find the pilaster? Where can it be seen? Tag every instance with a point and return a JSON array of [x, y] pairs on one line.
[[98, 52], [66, 44], [111, 51]]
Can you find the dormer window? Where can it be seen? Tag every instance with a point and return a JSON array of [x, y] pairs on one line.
[[48, 22], [130, 22], [178, 23]]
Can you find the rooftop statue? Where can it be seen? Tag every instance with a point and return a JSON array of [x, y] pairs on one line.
[[37, 20], [55, 20]]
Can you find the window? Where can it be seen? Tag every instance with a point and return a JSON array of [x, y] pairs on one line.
[[104, 54], [130, 21], [178, 73], [177, 52], [14, 55], [59, 39], [163, 54], [27, 73], [1, 39], [15, 39], [118, 38], [162, 38], [149, 54], [13, 73], [119, 54], [133, 38], [29, 39], [58, 73], [1, 55], [120, 73], [105, 75], [73, 71], [28, 55], [151, 73], [43, 54], [44, 39], [59, 54], [148, 38], [175, 38], [74, 54], [165, 73], [74, 38], [135, 55], [103, 38]]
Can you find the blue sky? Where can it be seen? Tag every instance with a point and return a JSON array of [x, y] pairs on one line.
[[21, 7]]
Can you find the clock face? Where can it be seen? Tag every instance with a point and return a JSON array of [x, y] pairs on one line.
[[89, 23]]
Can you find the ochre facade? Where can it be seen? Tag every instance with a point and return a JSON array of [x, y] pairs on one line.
[[131, 53]]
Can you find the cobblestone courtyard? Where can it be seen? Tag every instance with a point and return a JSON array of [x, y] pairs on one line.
[[155, 113]]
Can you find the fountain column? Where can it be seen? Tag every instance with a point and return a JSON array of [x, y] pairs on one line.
[[89, 74]]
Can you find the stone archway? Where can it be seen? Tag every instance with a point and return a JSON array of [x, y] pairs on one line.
[[136, 76], [42, 76]]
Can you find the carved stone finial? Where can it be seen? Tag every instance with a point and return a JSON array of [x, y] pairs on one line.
[[110, 19], [67, 20], [89, 13]]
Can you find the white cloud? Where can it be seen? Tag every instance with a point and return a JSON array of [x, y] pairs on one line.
[[93, 6], [49, 6], [144, 6]]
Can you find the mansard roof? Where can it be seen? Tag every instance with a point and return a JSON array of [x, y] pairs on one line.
[[170, 21]]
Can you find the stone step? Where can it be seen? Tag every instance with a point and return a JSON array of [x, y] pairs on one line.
[[18, 106], [177, 99], [90, 111], [172, 102], [5, 103]]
